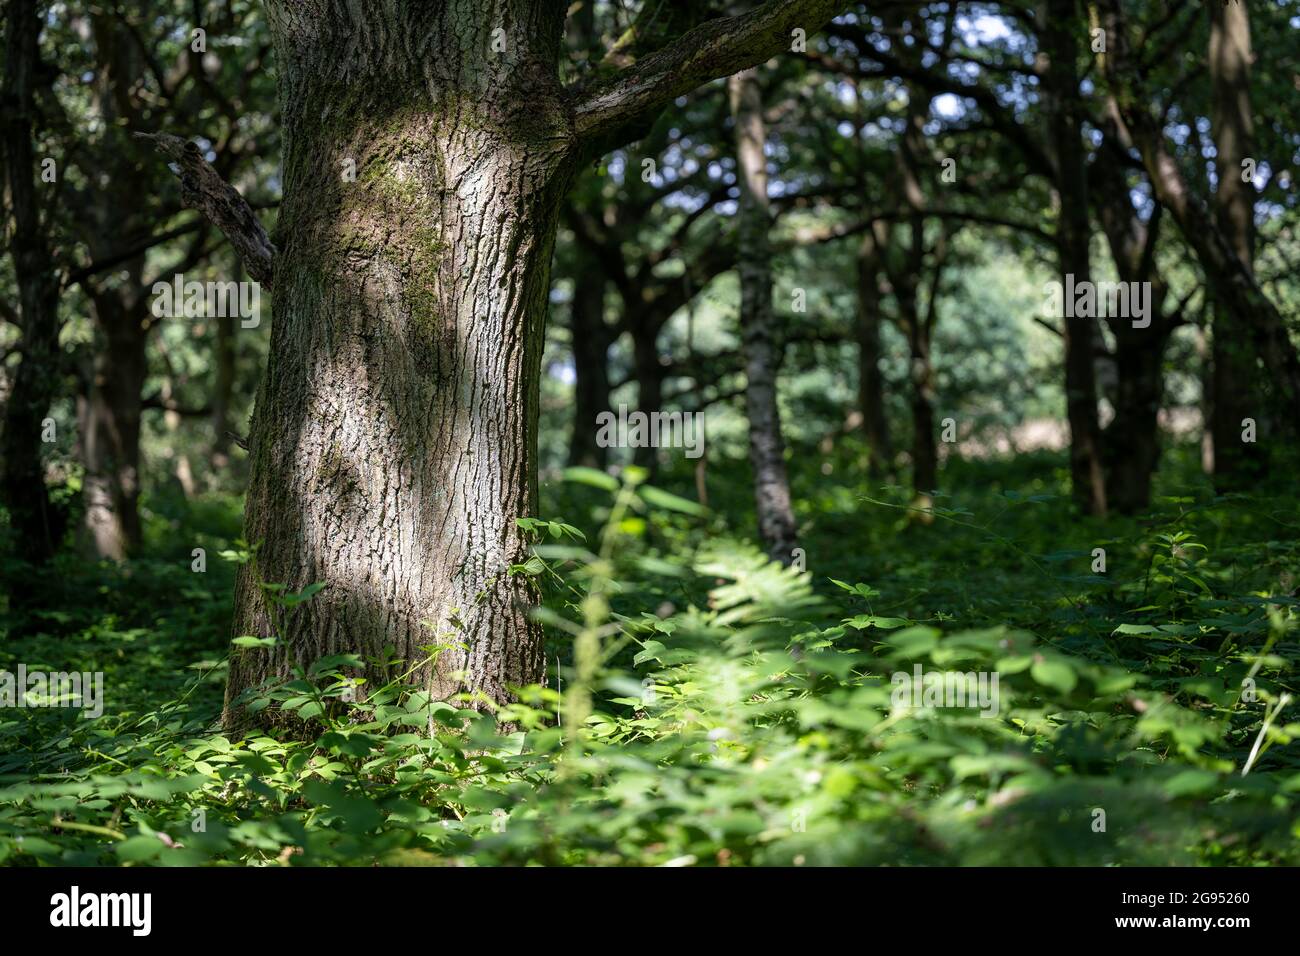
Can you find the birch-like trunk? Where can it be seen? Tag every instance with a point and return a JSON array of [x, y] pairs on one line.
[[776, 524]]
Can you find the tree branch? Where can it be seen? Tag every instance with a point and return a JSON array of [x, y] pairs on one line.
[[202, 188], [717, 48]]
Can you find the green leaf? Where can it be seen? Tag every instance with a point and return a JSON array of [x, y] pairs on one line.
[[663, 499], [591, 476], [1055, 674]]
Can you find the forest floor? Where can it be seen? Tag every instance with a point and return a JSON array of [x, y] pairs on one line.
[[735, 713]]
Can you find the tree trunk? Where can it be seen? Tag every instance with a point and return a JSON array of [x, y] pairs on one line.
[[871, 383], [394, 441], [925, 457], [906, 282], [1073, 232], [650, 373], [109, 423], [1234, 373], [35, 528], [225, 360], [1230, 278], [590, 344], [1132, 439], [1131, 442], [776, 524]]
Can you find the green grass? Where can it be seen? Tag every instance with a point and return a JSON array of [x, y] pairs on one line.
[[730, 712]]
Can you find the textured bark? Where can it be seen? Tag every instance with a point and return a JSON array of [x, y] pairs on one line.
[[776, 524], [202, 188], [35, 528], [1234, 382], [871, 383], [394, 439], [1060, 27]]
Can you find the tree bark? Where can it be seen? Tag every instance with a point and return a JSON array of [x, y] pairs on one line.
[[918, 328], [224, 359], [394, 439], [650, 372], [1060, 25], [35, 528], [776, 523], [1131, 442], [871, 382], [590, 345], [109, 422], [1234, 382], [1132, 439]]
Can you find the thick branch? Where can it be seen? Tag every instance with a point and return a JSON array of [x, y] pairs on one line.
[[715, 49], [202, 188]]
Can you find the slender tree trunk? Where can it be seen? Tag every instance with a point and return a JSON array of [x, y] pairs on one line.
[[871, 382], [35, 528], [925, 457], [223, 388], [650, 373], [395, 434], [1235, 379], [590, 342], [911, 155], [1073, 232], [109, 428], [776, 524]]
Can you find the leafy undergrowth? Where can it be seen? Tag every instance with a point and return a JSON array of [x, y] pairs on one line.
[[717, 709]]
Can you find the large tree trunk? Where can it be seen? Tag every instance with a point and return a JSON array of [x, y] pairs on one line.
[[395, 434], [1132, 439], [871, 382], [394, 441], [1235, 379], [776, 524], [109, 423], [1060, 25], [35, 528]]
